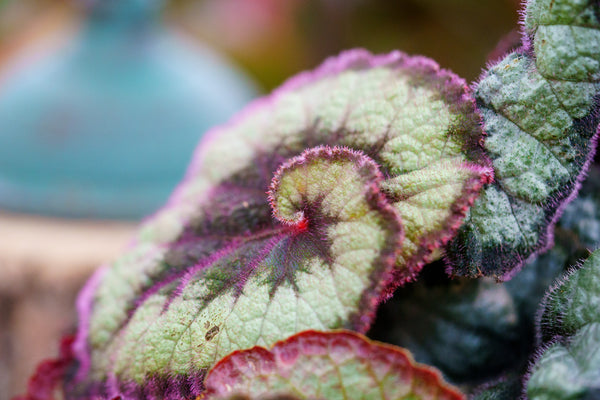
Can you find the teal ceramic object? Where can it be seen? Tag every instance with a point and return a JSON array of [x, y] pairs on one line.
[[103, 124]]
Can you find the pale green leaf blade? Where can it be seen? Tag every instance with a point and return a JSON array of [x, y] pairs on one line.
[[346, 151]]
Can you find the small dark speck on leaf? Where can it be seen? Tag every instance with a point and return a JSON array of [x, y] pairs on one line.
[[212, 332]]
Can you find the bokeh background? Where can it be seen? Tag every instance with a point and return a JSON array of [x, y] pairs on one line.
[[44, 259]]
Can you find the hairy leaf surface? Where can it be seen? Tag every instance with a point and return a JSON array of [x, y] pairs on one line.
[[569, 367], [473, 330], [332, 365], [346, 153], [540, 110], [574, 235], [508, 388], [568, 371], [573, 303]]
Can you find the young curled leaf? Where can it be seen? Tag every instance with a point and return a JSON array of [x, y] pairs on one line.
[[355, 156], [326, 365], [540, 110]]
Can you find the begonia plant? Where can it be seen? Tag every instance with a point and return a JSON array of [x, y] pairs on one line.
[[306, 221]]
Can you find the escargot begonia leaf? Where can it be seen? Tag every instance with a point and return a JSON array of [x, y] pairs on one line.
[[355, 156], [473, 330], [569, 327], [540, 110], [327, 365], [575, 233]]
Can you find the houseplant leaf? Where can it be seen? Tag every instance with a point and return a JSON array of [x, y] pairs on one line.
[[569, 366], [572, 241], [573, 303], [473, 330], [345, 152], [508, 388], [327, 365], [569, 370], [539, 106], [529, 286]]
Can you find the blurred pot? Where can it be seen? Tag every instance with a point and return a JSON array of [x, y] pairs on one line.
[[100, 121]]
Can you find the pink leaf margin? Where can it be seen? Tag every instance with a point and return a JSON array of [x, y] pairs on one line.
[[256, 363]]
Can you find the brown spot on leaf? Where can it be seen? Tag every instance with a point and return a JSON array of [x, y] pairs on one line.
[[212, 332]]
